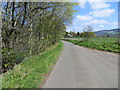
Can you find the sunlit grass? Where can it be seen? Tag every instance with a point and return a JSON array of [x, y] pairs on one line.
[[106, 44], [31, 72]]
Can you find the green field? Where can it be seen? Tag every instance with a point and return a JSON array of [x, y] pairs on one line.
[[32, 72], [101, 43]]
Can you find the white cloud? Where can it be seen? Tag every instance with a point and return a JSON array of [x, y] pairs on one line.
[[82, 4], [84, 18], [94, 22], [101, 9], [91, 0], [96, 0], [101, 26], [114, 24], [99, 5], [102, 13]]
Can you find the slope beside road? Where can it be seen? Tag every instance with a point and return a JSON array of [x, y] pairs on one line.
[[80, 67]]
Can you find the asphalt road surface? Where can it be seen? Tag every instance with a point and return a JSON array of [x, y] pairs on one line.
[[80, 67]]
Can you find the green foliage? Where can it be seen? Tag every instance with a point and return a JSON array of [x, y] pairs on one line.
[[8, 60], [112, 45], [78, 34], [41, 26], [31, 72], [88, 34]]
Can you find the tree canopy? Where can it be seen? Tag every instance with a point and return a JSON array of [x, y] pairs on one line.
[[87, 33], [31, 27]]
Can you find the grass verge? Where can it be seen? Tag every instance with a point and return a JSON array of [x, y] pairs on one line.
[[31, 72], [105, 46]]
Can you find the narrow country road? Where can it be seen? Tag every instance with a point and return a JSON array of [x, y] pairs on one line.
[[80, 67]]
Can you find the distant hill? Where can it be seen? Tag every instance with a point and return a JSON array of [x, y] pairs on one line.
[[108, 32]]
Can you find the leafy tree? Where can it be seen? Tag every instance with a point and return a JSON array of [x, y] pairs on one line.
[[87, 33], [78, 34], [31, 27], [73, 34], [66, 34]]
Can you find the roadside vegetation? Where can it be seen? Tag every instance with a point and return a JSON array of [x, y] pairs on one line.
[[31, 72], [89, 39], [101, 43], [28, 28]]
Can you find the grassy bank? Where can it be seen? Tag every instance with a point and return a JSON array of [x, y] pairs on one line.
[[112, 46], [31, 72]]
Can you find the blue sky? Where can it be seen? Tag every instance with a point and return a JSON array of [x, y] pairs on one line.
[[100, 15]]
